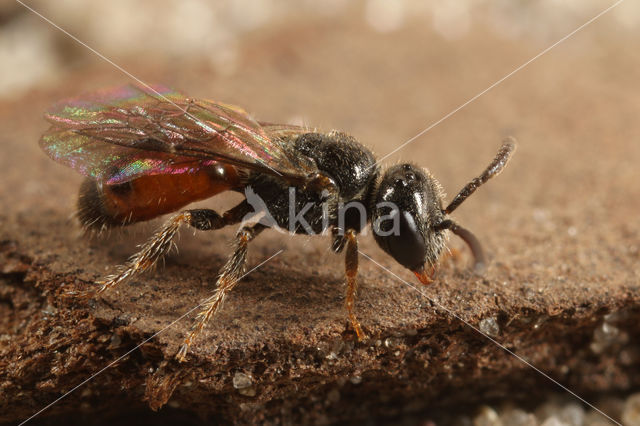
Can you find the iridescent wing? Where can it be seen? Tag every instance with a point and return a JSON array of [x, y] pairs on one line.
[[119, 134], [283, 131]]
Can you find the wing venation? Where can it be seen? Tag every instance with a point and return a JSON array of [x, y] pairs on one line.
[[119, 134]]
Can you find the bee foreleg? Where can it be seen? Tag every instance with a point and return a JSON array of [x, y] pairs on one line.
[[228, 278], [351, 271], [338, 240], [162, 241]]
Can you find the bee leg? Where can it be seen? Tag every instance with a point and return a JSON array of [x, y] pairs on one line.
[[351, 272], [162, 241], [229, 276], [338, 240]]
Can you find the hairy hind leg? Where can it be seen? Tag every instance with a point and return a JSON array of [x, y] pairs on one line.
[[229, 276], [162, 241]]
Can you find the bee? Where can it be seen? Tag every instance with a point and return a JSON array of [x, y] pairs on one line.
[[149, 151]]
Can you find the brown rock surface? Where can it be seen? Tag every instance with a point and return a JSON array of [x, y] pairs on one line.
[[560, 225]]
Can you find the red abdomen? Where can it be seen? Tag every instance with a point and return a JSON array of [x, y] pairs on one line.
[[101, 205]]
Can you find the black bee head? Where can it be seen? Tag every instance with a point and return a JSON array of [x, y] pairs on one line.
[[407, 207]]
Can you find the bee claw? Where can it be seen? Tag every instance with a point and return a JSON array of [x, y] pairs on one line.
[[181, 356]]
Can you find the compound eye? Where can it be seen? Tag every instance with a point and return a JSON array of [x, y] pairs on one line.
[[407, 246]]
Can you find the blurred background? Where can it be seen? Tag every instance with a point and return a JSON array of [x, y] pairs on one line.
[[193, 36], [382, 70]]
